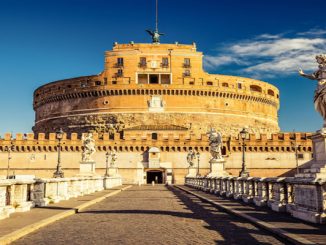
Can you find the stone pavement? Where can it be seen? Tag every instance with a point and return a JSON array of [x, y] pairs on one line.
[[19, 224], [315, 233], [150, 215]]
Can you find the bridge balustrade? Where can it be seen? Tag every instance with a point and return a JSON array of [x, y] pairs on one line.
[[302, 198], [22, 195]]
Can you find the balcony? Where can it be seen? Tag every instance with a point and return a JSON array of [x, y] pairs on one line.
[[142, 65]]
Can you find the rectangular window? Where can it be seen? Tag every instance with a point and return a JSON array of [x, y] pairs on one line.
[[165, 62], [142, 62], [142, 79], [186, 63], [239, 85], [120, 62], [165, 79]]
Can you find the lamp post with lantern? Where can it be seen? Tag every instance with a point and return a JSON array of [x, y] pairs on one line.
[[59, 173], [107, 155], [198, 160], [244, 172], [9, 149]]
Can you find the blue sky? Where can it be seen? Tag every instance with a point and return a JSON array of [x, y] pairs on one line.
[[43, 41]]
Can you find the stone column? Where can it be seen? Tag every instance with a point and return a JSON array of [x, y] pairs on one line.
[[6, 207]]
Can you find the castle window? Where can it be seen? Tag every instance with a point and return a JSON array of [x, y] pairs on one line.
[[209, 83], [120, 62], [239, 85], [270, 92], [300, 156], [186, 73], [98, 83], [165, 62], [142, 79], [186, 63], [142, 62], [165, 79], [105, 81], [255, 88], [154, 136], [153, 79], [226, 85], [120, 73], [114, 82]]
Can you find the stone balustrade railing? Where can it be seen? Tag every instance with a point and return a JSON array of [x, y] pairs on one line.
[[302, 198], [22, 195]]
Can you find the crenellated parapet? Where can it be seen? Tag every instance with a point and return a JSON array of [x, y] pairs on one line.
[[166, 142]]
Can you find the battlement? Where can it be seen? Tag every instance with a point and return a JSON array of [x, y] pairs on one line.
[[135, 141]]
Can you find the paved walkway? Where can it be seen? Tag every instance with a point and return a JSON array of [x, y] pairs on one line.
[[312, 232], [150, 215], [19, 224]]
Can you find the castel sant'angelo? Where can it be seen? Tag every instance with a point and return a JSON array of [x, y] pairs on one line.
[[153, 103]]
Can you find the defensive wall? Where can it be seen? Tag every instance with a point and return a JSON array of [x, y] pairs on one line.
[[266, 155]]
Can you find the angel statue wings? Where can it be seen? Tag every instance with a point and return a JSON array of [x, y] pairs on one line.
[[155, 35], [320, 92], [215, 143], [191, 157], [89, 147]]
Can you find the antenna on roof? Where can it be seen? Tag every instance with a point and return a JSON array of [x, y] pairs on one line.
[[155, 34], [156, 28]]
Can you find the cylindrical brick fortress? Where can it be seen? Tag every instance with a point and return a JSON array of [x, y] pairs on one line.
[[156, 84]]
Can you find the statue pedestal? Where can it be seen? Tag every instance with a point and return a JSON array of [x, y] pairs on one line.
[[113, 172], [192, 172], [217, 168], [113, 178], [318, 166], [87, 168]]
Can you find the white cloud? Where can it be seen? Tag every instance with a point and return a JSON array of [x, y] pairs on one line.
[[314, 32], [269, 55], [214, 61]]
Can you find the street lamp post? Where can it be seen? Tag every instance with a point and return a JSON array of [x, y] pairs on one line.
[[198, 160], [107, 154], [243, 172], [59, 173], [9, 149]]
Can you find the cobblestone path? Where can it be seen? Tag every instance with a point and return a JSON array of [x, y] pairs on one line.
[[150, 215]]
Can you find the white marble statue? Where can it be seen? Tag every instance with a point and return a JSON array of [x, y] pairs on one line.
[[89, 147], [215, 144], [320, 92], [191, 157], [114, 158]]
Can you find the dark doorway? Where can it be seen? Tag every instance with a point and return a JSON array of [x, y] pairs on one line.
[[153, 79], [156, 176]]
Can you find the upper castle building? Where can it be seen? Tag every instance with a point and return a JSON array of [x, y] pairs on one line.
[[156, 87], [152, 104]]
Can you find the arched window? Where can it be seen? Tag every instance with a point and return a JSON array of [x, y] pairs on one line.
[[255, 88], [270, 92]]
